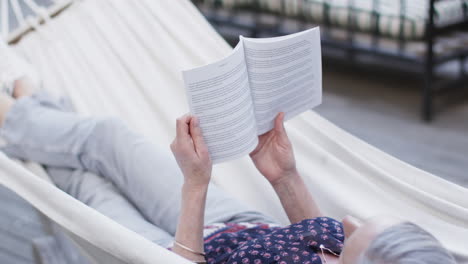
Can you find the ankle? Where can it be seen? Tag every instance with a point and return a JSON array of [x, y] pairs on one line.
[[23, 87], [6, 102]]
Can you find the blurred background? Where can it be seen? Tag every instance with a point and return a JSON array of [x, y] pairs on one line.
[[394, 76]]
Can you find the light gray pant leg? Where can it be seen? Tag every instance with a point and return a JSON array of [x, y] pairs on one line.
[[149, 175], [146, 174], [103, 196], [40, 129]]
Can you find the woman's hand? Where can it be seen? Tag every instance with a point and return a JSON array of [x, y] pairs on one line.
[[193, 158], [274, 156], [191, 152]]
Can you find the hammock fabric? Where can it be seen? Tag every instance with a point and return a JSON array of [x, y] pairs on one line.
[[124, 58]]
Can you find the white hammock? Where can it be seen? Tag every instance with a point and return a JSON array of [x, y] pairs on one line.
[[124, 58]]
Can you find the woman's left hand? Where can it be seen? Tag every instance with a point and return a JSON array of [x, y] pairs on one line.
[[191, 152], [274, 156]]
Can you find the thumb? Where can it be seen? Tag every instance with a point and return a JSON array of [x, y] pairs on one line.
[[182, 128], [279, 123], [197, 137], [280, 130]]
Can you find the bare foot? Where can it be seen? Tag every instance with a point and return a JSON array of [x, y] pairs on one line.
[[5, 104], [23, 87]]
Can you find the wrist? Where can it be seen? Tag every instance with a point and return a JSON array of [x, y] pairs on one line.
[[287, 178], [197, 179], [195, 186]]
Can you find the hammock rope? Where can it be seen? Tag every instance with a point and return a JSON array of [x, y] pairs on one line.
[[39, 13]]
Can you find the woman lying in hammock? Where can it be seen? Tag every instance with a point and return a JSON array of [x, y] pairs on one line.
[[100, 161]]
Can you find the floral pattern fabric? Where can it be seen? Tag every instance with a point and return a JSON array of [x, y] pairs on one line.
[[297, 243]]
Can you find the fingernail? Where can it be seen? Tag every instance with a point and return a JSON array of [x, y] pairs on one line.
[[196, 122]]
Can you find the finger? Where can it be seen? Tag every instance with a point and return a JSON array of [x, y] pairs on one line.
[[182, 128], [197, 137], [279, 123]]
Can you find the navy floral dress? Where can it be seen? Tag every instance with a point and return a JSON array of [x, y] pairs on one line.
[[297, 243]]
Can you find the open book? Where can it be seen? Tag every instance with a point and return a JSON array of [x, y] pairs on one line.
[[237, 98]]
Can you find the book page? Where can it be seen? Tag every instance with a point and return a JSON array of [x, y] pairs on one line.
[[219, 95], [285, 75]]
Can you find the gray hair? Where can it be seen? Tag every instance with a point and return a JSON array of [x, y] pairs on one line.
[[406, 243]]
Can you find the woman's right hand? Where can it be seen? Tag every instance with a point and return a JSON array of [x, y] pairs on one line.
[[191, 152]]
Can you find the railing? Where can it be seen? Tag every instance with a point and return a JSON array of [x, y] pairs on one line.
[[424, 63]]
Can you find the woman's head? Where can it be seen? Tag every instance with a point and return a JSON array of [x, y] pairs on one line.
[[385, 240]]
